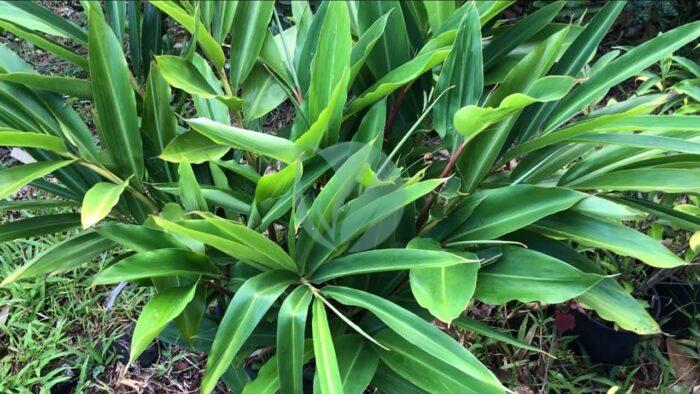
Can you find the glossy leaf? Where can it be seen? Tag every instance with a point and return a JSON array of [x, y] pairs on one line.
[[71, 86], [382, 260], [527, 276], [63, 256], [418, 332], [194, 148], [259, 143], [137, 238], [38, 225], [13, 179], [291, 323], [114, 97], [357, 362], [244, 312], [155, 264], [444, 291], [26, 139], [247, 35], [610, 236], [99, 201], [327, 370], [670, 180], [158, 312]]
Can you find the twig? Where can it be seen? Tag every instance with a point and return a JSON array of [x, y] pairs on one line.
[[395, 108]]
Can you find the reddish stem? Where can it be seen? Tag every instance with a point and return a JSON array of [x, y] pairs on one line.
[[423, 217], [395, 109]]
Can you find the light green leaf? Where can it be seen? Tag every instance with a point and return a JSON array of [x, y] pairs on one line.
[[258, 143], [278, 183], [99, 201], [261, 93], [328, 122], [246, 309], [631, 63], [14, 178], [158, 123], [615, 237], [137, 237], [34, 16], [194, 148], [364, 45], [75, 87], [26, 139], [209, 45], [398, 77], [470, 325], [427, 370], [324, 352], [669, 180], [114, 97], [291, 323], [45, 43], [190, 194], [438, 12], [642, 141], [507, 209], [525, 275], [444, 291], [247, 36], [63, 256], [419, 332], [463, 69], [267, 381], [382, 260], [357, 362], [38, 225], [155, 316], [20, 205], [472, 120], [157, 264]]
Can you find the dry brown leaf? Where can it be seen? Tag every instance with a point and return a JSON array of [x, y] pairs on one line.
[[687, 368]]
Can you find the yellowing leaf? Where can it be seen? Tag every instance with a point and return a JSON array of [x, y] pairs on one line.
[[99, 201]]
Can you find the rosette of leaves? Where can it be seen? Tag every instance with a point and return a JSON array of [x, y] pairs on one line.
[[438, 156]]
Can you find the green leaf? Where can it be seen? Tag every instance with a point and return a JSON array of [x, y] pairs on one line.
[[190, 194], [38, 225], [227, 238], [364, 45], [331, 58], [26, 139], [209, 45], [259, 143], [615, 237], [63, 256], [291, 323], [14, 178], [382, 260], [137, 238], [324, 352], [525, 275], [158, 123], [267, 381], [224, 198], [631, 63], [357, 362], [669, 180], [247, 36], [466, 55], [582, 127], [398, 77], [571, 62], [472, 119], [419, 332], [157, 264], [444, 291], [33, 16], [470, 325], [518, 33], [244, 312], [45, 43], [114, 97], [99, 201], [438, 12], [19, 205], [155, 316], [75, 87], [261, 93], [194, 148], [641, 141], [271, 253], [326, 126], [427, 370], [610, 300], [393, 48], [278, 183], [503, 210]]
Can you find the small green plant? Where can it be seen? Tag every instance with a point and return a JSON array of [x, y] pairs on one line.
[[437, 157]]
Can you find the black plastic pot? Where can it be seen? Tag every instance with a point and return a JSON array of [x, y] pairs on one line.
[[673, 306], [602, 344]]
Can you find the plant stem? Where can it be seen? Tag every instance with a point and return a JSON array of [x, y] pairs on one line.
[[423, 217], [115, 179]]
